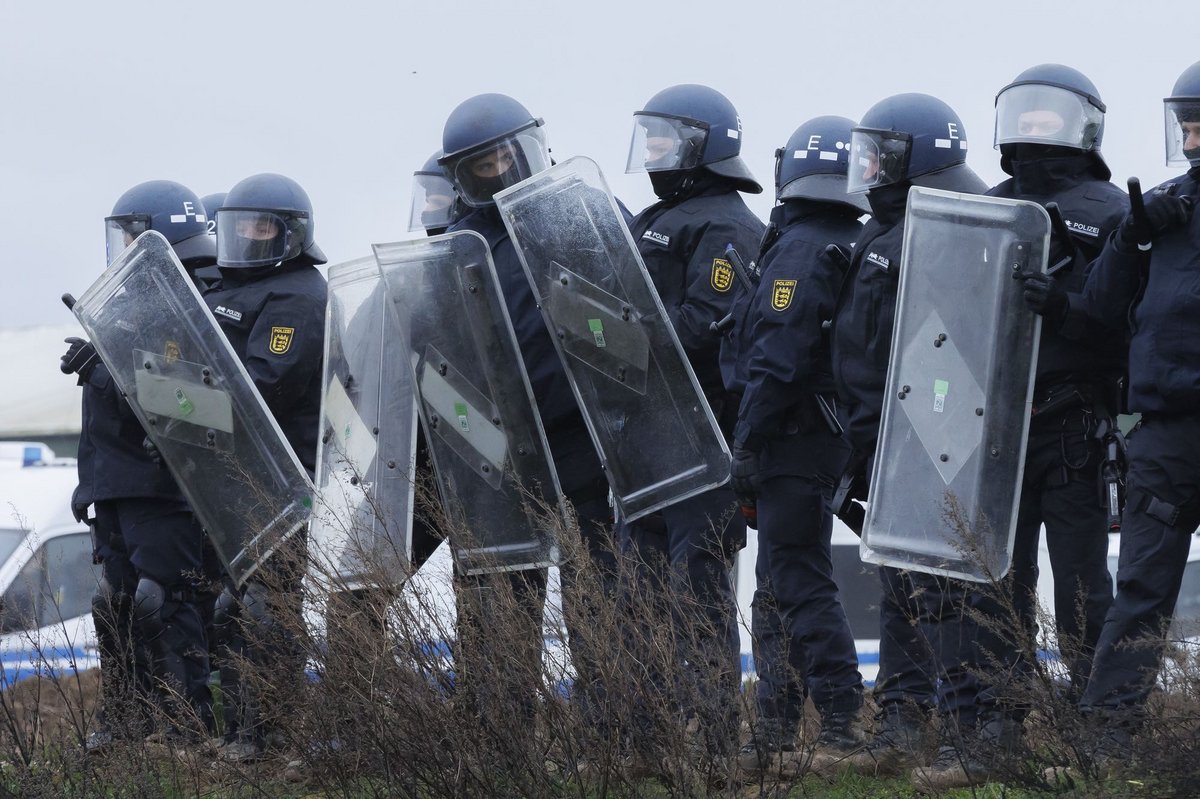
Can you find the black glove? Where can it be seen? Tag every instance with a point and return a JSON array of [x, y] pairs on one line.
[[1164, 211], [1043, 294], [80, 358], [743, 473], [152, 452], [79, 511]]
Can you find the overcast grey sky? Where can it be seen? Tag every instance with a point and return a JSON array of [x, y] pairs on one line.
[[349, 97]]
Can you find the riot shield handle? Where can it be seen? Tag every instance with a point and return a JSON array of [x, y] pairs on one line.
[[68, 300]]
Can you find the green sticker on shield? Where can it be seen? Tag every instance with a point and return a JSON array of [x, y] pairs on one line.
[[597, 328], [940, 389], [460, 410]]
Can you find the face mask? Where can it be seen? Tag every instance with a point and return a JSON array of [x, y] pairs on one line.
[[669, 183]]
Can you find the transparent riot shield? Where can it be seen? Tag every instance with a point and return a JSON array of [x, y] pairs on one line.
[[951, 453], [648, 418], [500, 493], [197, 403], [361, 528]]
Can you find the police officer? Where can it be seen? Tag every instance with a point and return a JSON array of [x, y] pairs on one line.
[[491, 141], [145, 537], [1146, 274], [1049, 125], [434, 202], [788, 451], [270, 302], [689, 138], [897, 145]]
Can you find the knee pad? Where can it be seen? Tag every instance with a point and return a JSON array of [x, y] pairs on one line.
[[257, 605], [227, 612], [152, 607]]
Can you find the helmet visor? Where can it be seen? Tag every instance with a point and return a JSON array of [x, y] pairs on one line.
[[499, 164], [120, 231], [251, 237], [1182, 128], [432, 199], [660, 143], [1033, 113], [877, 158]]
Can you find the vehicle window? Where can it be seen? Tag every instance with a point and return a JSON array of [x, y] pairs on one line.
[[56, 584], [20, 604], [10, 537], [71, 578], [858, 589]]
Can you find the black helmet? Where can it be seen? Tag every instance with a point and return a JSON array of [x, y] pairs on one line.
[[167, 208], [490, 142], [1183, 108], [432, 198], [267, 219], [915, 138], [1053, 105], [688, 126], [813, 164]]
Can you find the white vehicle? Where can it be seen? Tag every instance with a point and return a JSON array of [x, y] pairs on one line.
[[47, 578]]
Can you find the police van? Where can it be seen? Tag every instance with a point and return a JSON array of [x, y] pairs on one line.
[[47, 578]]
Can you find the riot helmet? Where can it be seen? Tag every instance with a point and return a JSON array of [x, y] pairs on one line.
[[212, 204], [167, 208], [432, 197], [688, 126], [813, 163], [491, 142], [1049, 106], [912, 138], [267, 219], [1182, 123]]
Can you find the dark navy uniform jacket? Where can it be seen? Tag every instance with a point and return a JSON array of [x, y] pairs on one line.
[[575, 458], [683, 246], [275, 322], [112, 463], [861, 335], [781, 338], [1092, 209], [1164, 352]]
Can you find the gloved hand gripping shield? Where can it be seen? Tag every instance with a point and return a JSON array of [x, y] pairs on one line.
[[499, 490], [951, 454], [198, 405], [654, 431], [361, 531]]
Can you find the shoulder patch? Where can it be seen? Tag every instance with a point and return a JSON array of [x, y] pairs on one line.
[[722, 275], [1083, 229], [281, 340], [782, 292]]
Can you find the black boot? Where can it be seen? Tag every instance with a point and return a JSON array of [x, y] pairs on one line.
[[900, 741]]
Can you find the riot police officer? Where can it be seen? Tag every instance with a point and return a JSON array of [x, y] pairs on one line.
[[434, 202], [270, 302], [1149, 265], [788, 451], [688, 138], [1049, 126], [490, 142], [902, 141], [145, 537]]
